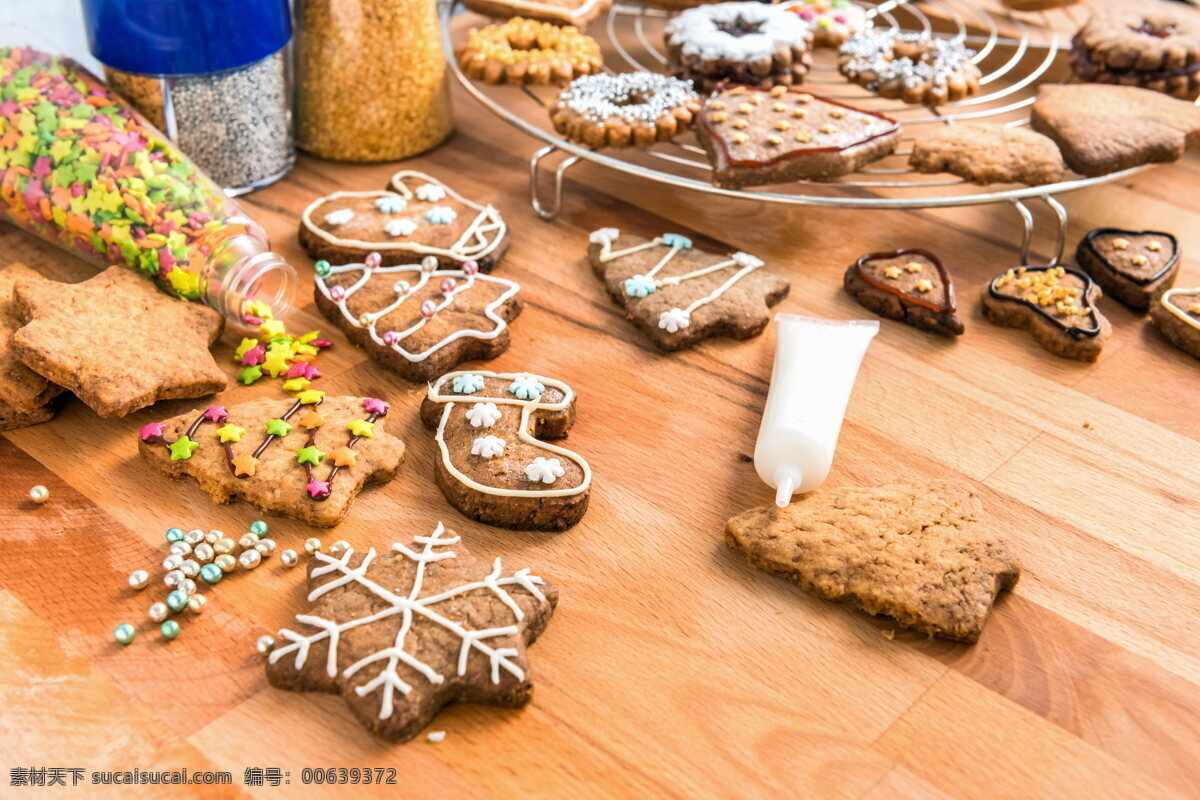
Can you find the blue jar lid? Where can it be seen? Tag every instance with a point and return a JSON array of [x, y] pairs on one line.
[[185, 37]]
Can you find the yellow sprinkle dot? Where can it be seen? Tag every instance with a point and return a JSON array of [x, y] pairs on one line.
[[913, 266], [1139, 261], [803, 136], [799, 112], [717, 105], [891, 272], [740, 123], [720, 116], [828, 128], [779, 107], [804, 98], [837, 113], [1121, 244], [745, 108], [1154, 247], [775, 140], [924, 285], [739, 138], [777, 91], [782, 125]]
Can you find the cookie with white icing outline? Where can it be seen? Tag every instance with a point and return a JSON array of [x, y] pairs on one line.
[[1057, 305], [416, 216], [415, 319], [494, 463], [1176, 314], [403, 633], [678, 295], [832, 21], [1134, 267], [913, 67]]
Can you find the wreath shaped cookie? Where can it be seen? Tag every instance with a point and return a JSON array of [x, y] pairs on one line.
[[1152, 45], [633, 109], [748, 43], [913, 67], [527, 52]]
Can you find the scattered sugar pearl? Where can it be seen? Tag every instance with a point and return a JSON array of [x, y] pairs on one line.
[[138, 579], [799, 113], [782, 125], [400, 287], [428, 308], [289, 558], [311, 545], [470, 267], [447, 285], [39, 494], [264, 644], [739, 138], [436, 736], [373, 260]]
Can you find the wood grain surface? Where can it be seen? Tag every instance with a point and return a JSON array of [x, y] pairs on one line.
[[671, 669]]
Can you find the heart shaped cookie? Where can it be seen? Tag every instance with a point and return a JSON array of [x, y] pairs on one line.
[[1177, 315], [909, 285], [1135, 267], [1055, 304]]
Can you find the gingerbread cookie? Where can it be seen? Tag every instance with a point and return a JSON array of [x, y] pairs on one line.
[[632, 109], [1055, 304], [1134, 267], [522, 52], [416, 319], [760, 136], [561, 12], [1102, 129], [11, 418], [22, 391], [1176, 314], [832, 21], [679, 295], [405, 633], [494, 465], [908, 285], [749, 43], [306, 458], [913, 67], [416, 216], [923, 554], [1146, 43], [986, 153], [116, 342]]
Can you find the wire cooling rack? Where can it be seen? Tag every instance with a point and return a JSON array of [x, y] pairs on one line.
[[1015, 53]]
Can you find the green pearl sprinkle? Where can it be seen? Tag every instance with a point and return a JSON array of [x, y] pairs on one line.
[[174, 535], [322, 268], [170, 629], [124, 633], [211, 574], [177, 600], [258, 528]]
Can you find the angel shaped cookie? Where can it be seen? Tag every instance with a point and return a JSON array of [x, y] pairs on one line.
[[495, 465]]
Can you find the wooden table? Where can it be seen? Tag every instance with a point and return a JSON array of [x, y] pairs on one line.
[[672, 669]]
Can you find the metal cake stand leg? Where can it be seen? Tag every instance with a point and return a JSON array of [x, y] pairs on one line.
[[535, 197], [1027, 235]]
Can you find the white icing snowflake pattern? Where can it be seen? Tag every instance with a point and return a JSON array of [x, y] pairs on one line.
[[441, 215], [467, 383], [545, 470], [527, 387], [412, 608], [431, 193], [339, 217], [483, 415], [391, 204], [674, 320], [400, 227], [488, 446], [604, 235], [639, 286]]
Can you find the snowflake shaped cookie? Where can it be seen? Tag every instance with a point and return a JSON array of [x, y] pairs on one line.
[[404, 633]]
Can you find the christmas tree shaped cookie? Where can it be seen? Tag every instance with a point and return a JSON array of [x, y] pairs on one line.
[[495, 465], [404, 633], [416, 319], [307, 459], [679, 295]]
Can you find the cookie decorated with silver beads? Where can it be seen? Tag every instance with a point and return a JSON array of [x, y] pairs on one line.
[[630, 109], [913, 67]]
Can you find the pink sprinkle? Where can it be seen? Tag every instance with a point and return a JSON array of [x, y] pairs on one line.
[[321, 343], [839, 19], [250, 319], [428, 308], [372, 260], [808, 15], [255, 356], [337, 292], [470, 267], [447, 286], [216, 414], [296, 370], [151, 431], [317, 488], [390, 338], [373, 405], [311, 371]]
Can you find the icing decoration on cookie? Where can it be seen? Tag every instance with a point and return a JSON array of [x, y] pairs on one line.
[[548, 464], [400, 227], [440, 215], [839, 17], [246, 464], [482, 415], [339, 217], [1189, 313], [675, 319], [391, 204], [488, 446], [431, 193], [949, 304], [416, 277], [468, 383], [1041, 289], [398, 663], [1093, 238]]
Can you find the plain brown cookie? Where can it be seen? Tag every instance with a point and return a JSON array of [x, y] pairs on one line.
[[232, 455], [22, 391], [1176, 314], [403, 633], [494, 463], [760, 136], [910, 285], [116, 342], [923, 554], [11, 419], [561, 12], [1146, 43], [1056, 305], [383, 310], [395, 222], [1134, 267], [1102, 129], [734, 299], [986, 153]]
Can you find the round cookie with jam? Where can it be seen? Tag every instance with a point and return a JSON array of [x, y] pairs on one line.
[[1146, 43]]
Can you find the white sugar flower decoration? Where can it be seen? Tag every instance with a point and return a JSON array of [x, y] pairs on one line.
[[467, 383], [746, 261], [546, 470], [674, 320], [487, 446], [400, 227], [339, 217], [527, 387], [604, 235], [483, 415], [431, 193]]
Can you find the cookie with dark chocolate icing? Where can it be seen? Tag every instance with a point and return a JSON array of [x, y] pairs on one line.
[[909, 285], [1146, 43], [1057, 305], [1176, 314], [1134, 267], [761, 136]]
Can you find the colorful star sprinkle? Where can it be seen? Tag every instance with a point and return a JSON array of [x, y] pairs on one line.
[[360, 427], [317, 488], [151, 430], [344, 457], [373, 405], [245, 464], [216, 414], [309, 455], [182, 448], [310, 397], [295, 384], [249, 375], [278, 354], [314, 419], [277, 427], [230, 433]]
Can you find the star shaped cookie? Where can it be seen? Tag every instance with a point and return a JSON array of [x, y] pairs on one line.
[[253, 452], [23, 391], [116, 342], [401, 634]]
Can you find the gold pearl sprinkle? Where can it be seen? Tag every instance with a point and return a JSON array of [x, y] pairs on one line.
[[756, 99], [1139, 260], [778, 91], [837, 113], [803, 136], [865, 120], [799, 113], [746, 108], [1154, 247], [782, 125], [1121, 244], [913, 266], [924, 285], [740, 123], [804, 98], [775, 140], [720, 116], [717, 105], [828, 128], [780, 107], [739, 138], [891, 272]]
